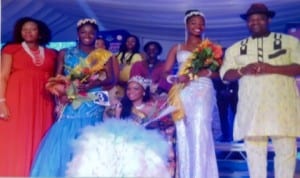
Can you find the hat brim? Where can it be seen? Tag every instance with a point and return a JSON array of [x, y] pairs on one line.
[[269, 14]]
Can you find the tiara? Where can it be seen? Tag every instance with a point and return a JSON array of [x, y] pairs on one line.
[[192, 13], [86, 20], [140, 80]]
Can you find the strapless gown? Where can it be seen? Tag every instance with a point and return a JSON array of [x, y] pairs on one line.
[[195, 144]]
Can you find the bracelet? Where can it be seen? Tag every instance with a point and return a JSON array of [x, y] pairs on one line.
[[209, 73], [172, 79], [2, 100], [239, 71]]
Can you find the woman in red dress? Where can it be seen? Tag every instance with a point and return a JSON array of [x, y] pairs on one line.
[[26, 108]]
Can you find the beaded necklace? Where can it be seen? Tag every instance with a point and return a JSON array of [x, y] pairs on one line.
[[139, 107], [38, 56]]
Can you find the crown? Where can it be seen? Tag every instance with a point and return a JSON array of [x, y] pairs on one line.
[[140, 80], [86, 20], [192, 13]]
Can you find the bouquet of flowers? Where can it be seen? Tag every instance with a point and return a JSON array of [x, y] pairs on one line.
[[207, 55], [89, 69], [160, 117]]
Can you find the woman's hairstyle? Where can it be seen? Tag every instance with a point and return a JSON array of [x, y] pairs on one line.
[[43, 30], [87, 21], [127, 104], [123, 49], [125, 101], [191, 13], [158, 46], [106, 43]]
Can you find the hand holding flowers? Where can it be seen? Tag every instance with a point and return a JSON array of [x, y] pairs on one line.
[[81, 78], [204, 60], [207, 55]]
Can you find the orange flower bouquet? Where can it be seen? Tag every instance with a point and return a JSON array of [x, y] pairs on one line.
[[207, 55]]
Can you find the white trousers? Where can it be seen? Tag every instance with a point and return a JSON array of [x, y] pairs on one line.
[[285, 149]]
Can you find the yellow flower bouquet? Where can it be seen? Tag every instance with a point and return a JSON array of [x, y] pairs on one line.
[[90, 68]]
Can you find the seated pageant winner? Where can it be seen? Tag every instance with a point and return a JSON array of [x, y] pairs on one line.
[[121, 146]]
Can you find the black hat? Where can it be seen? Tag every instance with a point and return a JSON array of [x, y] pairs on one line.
[[258, 8]]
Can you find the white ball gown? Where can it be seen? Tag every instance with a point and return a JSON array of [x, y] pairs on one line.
[[119, 148]]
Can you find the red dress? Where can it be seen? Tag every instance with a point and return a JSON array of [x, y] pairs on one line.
[[31, 110]]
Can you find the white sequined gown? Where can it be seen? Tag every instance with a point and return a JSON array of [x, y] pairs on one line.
[[195, 146]]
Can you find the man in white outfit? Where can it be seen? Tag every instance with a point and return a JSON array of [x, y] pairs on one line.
[[266, 64]]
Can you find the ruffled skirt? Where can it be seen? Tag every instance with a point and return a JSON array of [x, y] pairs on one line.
[[119, 148]]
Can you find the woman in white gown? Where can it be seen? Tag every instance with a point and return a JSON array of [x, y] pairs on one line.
[[195, 146]]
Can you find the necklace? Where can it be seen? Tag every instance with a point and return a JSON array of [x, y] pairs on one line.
[[139, 107], [38, 57]]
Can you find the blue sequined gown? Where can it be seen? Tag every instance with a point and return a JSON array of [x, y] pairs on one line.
[[55, 149]]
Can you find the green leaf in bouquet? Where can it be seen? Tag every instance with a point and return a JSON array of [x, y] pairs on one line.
[[208, 52], [79, 100], [71, 91], [92, 96], [83, 63], [76, 103], [214, 66], [197, 64]]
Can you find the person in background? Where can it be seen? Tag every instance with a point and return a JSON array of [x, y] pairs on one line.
[[127, 56], [265, 65], [151, 67], [79, 109], [293, 29], [26, 108], [195, 145], [115, 92], [226, 94], [101, 43]]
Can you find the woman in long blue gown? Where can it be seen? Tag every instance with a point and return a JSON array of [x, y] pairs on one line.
[[55, 149]]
